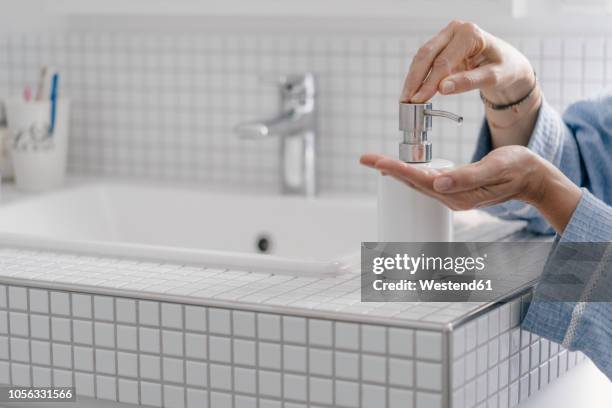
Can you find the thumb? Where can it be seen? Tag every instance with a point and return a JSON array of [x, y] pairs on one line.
[[468, 80], [467, 178]]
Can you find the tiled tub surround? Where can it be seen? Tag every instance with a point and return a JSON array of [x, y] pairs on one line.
[[120, 332], [160, 103]]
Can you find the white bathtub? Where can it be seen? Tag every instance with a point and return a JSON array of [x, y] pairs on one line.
[[303, 237]]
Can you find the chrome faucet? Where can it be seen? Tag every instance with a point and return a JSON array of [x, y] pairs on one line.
[[296, 125]]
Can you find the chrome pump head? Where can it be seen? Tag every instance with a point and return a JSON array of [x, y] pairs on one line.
[[415, 122]]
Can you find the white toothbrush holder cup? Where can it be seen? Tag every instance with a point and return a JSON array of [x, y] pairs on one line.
[[39, 154]]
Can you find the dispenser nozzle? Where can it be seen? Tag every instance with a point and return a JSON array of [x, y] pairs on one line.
[[415, 122]]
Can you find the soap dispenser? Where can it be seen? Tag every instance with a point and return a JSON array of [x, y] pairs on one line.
[[404, 214]]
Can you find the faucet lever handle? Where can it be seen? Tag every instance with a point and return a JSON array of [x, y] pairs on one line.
[[292, 83]]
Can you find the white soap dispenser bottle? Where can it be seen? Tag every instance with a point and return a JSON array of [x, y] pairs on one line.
[[404, 214]]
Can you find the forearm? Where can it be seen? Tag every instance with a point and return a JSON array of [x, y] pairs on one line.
[[555, 196]]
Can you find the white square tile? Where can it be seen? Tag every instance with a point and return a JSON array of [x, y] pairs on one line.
[[18, 298], [294, 358], [220, 349], [493, 380], [245, 380], [373, 396], [244, 352], [3, 322], [104, 334], [62, 356], [127, 364], [148, 313], [481, 359], [106, 388], [21, 374], [294, 329], [220, 376], [373, 339], [243, 323], [150, 394], [60, 329], [127, 337], [4, 348], [428, 400], [320, 332], [347, 394], [429, 345], [60, 303], [401, 372], [84, 384], [269, 383], [268, 326], [347, 336], [196, 373], [174, 397], [19, 324], [82, 332], [4, 372], [128, 391], [41, 352], [375, 368], [39, 326], [83, 358], [295, 387], [39, 301], [195, 345], [172, 315], [399, 398], [471, 338], [20, 350], [150, 367], [41, 377], [429, 376], [81, 306], [172, 369], [172, 342], [104, 308], [250, 402], [503, 373], [62, 378], [149, 340], [105, 361], [219, 321], [3, 302], [197, 398], [320, 362], [195, 318], [126, 310], [347, 365], [270, 355], [221, 399]]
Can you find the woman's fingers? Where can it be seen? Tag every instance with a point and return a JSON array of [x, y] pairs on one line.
[[370, 159], [469, 177], [476, 78], [451, 59], [422, 61]]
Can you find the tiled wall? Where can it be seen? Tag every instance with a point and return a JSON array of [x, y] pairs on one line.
[[172, 355], [495, 363], [176, 356], [162, 104]]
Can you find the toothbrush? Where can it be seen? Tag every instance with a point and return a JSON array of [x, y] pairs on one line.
[[53, 98], [27, 93], [42, 88]]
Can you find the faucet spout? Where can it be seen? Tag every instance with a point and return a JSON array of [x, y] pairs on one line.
[[285, 124]]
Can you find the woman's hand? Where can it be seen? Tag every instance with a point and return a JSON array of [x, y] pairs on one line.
[[462, 57], [507, 173]]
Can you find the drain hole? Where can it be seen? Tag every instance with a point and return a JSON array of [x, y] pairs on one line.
[[263, 243]]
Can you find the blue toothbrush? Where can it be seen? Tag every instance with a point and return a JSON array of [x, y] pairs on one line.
[[54, 81]]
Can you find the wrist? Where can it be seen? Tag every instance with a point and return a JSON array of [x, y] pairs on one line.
[[523, 83], [555, 197]]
